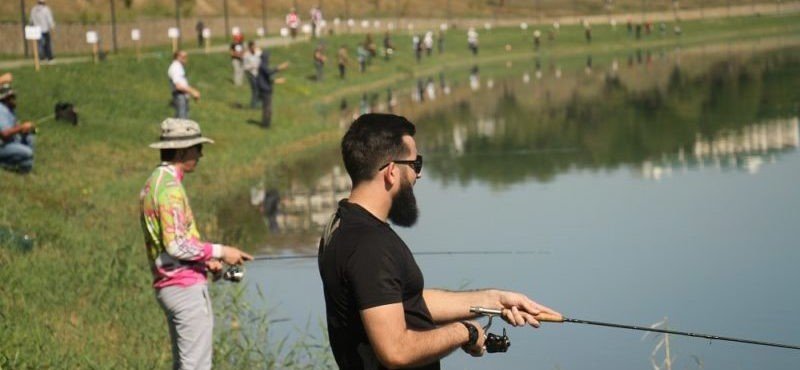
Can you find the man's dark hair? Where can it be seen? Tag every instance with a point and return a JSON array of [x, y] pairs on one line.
[[371, 141]]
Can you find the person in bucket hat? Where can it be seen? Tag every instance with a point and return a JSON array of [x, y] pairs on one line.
[[179, 258], [16, 139], [180, 133]]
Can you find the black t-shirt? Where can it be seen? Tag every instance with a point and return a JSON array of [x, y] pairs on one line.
[[365, 264]]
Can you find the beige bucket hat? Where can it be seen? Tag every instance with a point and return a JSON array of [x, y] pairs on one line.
[[179, 133]]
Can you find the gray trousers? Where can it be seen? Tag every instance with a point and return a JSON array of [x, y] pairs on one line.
[[266, 109], [181, 103], [255, 94], [46, 47], [319, 66], [238, 71], [191, 323]]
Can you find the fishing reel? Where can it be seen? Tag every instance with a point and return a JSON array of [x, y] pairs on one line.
[[494, 343], [497, 343], [233, 274]]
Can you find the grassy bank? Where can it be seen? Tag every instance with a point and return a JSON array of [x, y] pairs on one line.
[[80, 297]]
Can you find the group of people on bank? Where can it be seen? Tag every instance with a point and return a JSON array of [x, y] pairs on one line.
[[251, 62]]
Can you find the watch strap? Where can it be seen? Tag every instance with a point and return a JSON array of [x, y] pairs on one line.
[[473, 333]]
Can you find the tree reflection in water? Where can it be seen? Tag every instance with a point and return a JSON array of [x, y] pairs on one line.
[[632, 119]]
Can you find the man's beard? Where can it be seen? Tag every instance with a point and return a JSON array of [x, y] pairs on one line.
[[404, 211]]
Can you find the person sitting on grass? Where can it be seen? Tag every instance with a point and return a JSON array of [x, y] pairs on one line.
[[16, 139]]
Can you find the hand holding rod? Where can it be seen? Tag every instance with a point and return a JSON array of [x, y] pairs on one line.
[[543, 317]]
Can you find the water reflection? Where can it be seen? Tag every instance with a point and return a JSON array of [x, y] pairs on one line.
[[295, 200], [747, 149], [624, 248], [687, 111], [713, 110]]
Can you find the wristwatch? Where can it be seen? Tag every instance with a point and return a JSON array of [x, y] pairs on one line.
[[473, 333]]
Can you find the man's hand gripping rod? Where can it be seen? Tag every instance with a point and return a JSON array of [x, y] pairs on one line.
[[500, 343]]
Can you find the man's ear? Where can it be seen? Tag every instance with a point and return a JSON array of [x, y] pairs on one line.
[[389, 175]]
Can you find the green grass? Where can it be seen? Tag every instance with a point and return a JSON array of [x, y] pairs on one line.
[[81, 298]]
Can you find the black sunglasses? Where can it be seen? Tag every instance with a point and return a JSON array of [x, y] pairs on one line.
[[416, 164]]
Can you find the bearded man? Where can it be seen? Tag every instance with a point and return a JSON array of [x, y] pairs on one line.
[[378, 311]]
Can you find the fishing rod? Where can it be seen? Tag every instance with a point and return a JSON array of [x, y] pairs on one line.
[[544, 317], [236, 273], [428, 253], [62, 111]]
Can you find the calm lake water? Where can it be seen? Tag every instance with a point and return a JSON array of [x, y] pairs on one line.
[[632, 188]]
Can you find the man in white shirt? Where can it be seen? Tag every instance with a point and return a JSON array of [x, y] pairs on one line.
[[181, 90], [42, 17], [252, 59], [472, 40]]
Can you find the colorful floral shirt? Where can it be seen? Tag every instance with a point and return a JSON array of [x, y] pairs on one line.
[[176, 253]]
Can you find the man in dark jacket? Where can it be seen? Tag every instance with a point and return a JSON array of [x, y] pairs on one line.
[[264, 83]]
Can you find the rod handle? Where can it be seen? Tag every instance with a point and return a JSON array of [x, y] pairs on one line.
[[549, 317], [542, 316]]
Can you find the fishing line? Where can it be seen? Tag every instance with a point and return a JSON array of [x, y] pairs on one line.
[[429, 253], [560, 319]]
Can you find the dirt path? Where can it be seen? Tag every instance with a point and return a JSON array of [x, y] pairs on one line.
[[221, 48], [694, 14]]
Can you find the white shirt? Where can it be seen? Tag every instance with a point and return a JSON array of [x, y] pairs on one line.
[[428, 40], [316, 15], [252, 61], [472, 36], [42, 17], [177, 74]]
